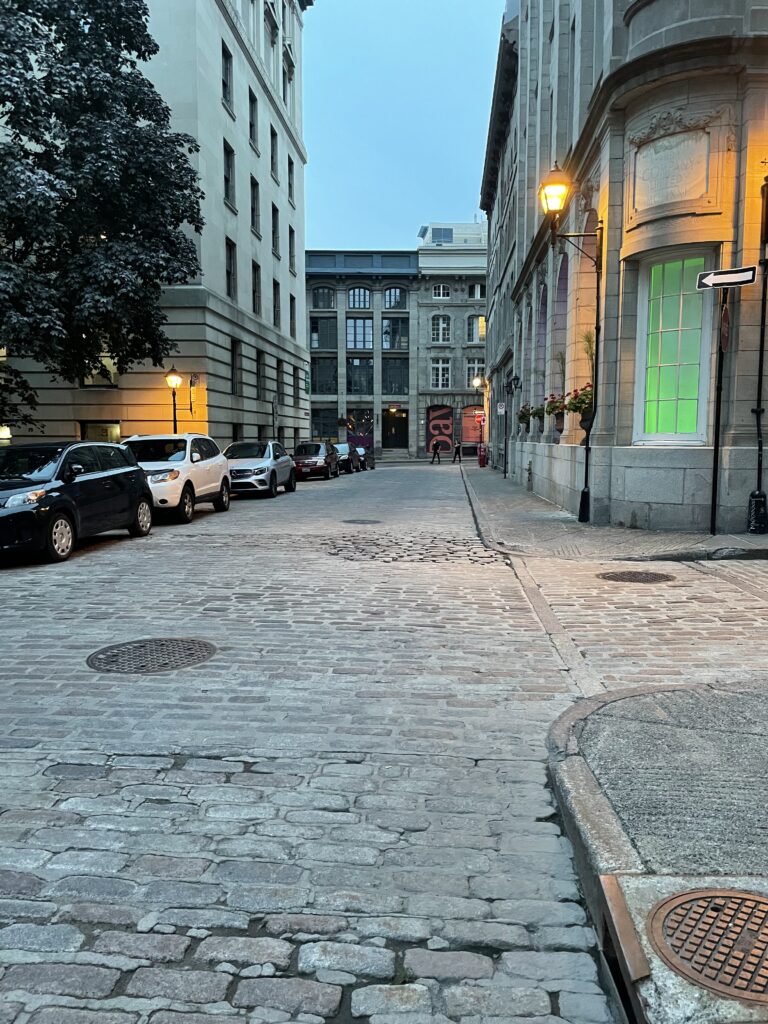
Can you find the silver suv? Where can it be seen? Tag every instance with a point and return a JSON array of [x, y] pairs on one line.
[[259, 467], [182, 470]]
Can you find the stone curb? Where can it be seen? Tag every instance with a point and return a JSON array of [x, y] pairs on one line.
[[488, 538]]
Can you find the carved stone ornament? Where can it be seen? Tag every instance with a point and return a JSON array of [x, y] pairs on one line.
[[672, 121], [587, 190]]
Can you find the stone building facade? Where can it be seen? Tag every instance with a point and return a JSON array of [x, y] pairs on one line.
[[231, 71], [395, 340], [659, 114]]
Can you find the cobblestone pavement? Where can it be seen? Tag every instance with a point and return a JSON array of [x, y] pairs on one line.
[[342, 815]]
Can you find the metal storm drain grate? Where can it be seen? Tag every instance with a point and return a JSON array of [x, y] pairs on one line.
[[634, 576], [149, 656], [716, 938], [362, 522]]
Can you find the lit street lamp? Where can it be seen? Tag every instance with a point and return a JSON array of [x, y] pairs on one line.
[[173, 380], [478, 383], [554, 193]]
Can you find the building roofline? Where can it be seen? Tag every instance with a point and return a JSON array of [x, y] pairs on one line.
[[504, 91]]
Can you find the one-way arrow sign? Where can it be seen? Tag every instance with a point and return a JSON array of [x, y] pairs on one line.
[[736, 278]]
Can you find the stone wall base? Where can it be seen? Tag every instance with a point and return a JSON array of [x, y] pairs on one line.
[[649, 488]]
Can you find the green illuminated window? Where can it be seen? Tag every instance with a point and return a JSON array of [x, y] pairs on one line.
[[673, 351]]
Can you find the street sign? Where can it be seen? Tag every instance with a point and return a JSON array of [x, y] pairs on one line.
[[501, 408], [480, 419], [735, 278]]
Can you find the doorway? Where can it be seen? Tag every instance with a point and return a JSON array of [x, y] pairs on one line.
[[395, 428]]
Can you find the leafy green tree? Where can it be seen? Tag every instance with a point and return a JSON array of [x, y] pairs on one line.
[[94, 191]]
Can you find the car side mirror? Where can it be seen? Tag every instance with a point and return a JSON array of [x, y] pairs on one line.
[[196, 456], [73, 471]]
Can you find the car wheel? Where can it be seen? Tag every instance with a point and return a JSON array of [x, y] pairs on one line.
[[59, 538], [272, 489], [290, 483], [142, 520], [186, 507], [327, 474], [221, 504]]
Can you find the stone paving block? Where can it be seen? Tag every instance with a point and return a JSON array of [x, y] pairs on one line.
[[486, 933], [466, 1001], [12, 910], [179, 869], [391, 999], [423, 963], [93, 888], [282, 924], [294, 995], [446, 906], [51, 938], [538, 912], [19, 884], [368, 961], [574, 938], [97, 862], [401, 929], [254, 873], [187, 986], [181, 894], [67, 1015], [554, 971], [245, 950], [22, 860], [584, 1009], [10, 1011], [60, 979], [157, 948]]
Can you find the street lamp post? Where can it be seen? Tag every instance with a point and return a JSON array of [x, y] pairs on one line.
[[757, 518], [553, 194], [478, 383], [511, 386], [173, 380]]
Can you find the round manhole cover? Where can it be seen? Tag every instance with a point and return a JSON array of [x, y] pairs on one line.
[[149, 656], [634, 576], [716, 938], [362, 522]]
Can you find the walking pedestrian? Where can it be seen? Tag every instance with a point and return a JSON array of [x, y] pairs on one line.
[[435, 452], [456, 451]]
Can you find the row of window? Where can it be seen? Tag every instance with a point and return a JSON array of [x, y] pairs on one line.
[[394, 298], [231, 285], [395, 332], [230, 189], [394, 375], [288, 379]]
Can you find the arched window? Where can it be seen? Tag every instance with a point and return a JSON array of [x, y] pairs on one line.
[[359, 298], [395, 298], [441, 291], [323, 298], [441, 328], [475, 330]]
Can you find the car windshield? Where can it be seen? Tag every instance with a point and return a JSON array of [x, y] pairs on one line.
[[342, 449], [246, 450], [29, 463], [309, 449], [159, 449]]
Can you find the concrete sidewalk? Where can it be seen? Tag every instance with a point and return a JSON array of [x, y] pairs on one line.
[[662, 794], [514, 520]]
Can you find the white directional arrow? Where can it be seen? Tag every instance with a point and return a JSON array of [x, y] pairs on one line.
[[735, 278]]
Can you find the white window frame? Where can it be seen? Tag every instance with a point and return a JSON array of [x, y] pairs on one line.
[[443, 323], [639, 436], [441, 291], [475, 368], [443, 365]]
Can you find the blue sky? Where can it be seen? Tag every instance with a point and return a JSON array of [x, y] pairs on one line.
[[397, 97]]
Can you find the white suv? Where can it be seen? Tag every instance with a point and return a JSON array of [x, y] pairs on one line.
[[182, 469]]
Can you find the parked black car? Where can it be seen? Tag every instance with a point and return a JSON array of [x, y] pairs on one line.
[[316, 458], [349, 460], [53, 493], [367, 460]]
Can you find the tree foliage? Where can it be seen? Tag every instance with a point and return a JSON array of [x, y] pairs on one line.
[[94, 190]]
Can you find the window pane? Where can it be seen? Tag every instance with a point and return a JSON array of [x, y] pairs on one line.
[[654, 340], [689, 382], [690, 346], [692, 310], [654, 315], [673, 277], [687, 415], [651, 413], [668, 382], [652, 383], [691, 270], [670, 313], [669, 343], [667, 417], [656, 278]]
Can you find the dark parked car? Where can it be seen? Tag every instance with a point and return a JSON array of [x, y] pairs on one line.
[[316, 458], [349, 460], [53, 493], [367, 461]]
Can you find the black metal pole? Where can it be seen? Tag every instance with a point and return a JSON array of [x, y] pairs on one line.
[[584, 502], [718, 410], [173, 394], [757, 514], [506, 446]]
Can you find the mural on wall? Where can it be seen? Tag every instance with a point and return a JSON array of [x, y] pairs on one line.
[[440, 426]]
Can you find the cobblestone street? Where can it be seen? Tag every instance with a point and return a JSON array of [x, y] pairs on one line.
[[344, 812]]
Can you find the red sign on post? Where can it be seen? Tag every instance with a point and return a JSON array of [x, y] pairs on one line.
[[480, 419]]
